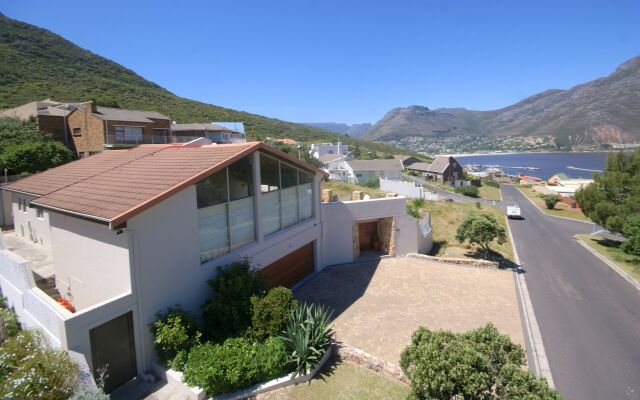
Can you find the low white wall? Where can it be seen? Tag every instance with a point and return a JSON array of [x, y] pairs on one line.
[[411, 237], [91, 262], [407, 189]]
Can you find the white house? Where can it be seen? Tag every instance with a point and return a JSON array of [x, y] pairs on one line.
[[335, 166], [360, 170], [320, 149], [125, 234]]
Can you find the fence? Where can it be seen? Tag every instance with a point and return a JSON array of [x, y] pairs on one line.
[[407, 189]]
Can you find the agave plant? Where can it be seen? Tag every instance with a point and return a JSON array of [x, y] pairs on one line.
[[307, 337]]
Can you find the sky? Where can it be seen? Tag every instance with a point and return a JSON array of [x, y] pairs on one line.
[[350, 61]]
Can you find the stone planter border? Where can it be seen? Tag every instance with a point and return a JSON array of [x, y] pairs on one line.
[[174, 378], [457, 261], [361, 357]]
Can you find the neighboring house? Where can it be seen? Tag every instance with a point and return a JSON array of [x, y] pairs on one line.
[[287, 141], [530, 180], [95, 128], [183, 133], [406, 160], [361, 170], [125, 234], [562, 184], [444, 169], [336, 166], [49, 115], [320, 149]]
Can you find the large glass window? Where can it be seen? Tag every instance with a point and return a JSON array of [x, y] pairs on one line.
[[287, 197], [226, 210]]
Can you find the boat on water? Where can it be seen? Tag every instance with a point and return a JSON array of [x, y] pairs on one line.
[[583, 169]]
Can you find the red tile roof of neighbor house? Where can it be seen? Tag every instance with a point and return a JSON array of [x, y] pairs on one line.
[[116, 185]]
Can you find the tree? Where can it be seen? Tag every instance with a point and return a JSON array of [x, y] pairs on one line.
[[481, 229], [479, 364], [631, 230], [550, 200], [34, 157], [615, 194]]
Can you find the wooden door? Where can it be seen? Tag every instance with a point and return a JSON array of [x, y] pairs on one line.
[[112, 345], [365, 233], [290, 269]]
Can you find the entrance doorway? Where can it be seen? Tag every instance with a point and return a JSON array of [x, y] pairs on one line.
[[113, 348], [367, 234]]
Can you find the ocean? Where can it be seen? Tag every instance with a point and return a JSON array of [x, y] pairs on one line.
[[549, 164]]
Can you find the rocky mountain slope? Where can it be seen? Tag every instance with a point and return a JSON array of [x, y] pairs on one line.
[[353, 130], [606, 110]]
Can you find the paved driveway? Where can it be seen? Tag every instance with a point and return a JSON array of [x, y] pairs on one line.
[[378, 305]]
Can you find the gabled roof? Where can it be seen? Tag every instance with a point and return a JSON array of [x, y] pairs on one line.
[[375, 165], [199, 127], [440, 164], [122, 114], [114, 186], [562, 176], [419, 166], [403, 157]]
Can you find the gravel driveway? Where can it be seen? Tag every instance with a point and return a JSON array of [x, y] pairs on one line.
[[379, 304]]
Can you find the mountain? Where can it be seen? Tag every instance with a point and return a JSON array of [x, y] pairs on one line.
[[36, 64], [605, 110], [353, 130]]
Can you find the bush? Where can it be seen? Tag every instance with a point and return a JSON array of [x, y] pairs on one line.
[[174, 332], [481, 229], [271, 312], [491, 182], [235, 364], [479, 364], [35, 157], [29, 370], [470, 191], [371, 182], [550, 201], [632, 232], [228, 313], [307, 337]]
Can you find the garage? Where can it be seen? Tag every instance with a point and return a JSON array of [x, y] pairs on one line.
[[291, 268]]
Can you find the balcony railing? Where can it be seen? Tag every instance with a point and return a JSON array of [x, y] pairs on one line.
[[135, 140]]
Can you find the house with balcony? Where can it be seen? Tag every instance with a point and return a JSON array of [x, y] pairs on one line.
[[320, 149], [124, 234], [220, 134], [95, 128]]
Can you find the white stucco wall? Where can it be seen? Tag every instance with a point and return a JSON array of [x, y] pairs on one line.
[[89, 260], [166, 262], [28, 224]]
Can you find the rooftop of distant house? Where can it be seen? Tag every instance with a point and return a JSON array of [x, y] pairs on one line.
[[376, 165]]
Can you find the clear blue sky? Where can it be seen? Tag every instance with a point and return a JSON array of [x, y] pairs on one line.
[[348, 61]]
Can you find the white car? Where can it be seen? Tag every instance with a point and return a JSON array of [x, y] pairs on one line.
[[513, 212]]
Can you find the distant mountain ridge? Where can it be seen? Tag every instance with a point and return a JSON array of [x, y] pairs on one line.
[[36, 64], [353, 130], [605, 110]]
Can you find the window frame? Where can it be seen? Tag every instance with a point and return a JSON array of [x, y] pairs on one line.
[[77, 132]]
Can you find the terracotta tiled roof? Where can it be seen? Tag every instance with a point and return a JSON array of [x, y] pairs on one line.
[[116, 185]]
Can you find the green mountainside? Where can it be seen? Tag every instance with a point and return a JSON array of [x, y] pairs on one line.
[[36, 64]]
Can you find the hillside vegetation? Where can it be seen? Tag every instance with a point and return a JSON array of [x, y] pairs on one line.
[[36, 64]]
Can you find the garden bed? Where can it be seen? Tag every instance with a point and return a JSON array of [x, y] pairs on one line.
[[175, 379]]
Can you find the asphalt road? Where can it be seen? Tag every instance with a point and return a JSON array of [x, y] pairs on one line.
[[588, 315]]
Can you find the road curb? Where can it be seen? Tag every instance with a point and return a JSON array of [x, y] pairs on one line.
[[549, 215], [610, 263], [540, 361]]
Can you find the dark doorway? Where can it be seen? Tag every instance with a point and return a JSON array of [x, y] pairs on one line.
[[112, 345], [367, 231], [291, 268]]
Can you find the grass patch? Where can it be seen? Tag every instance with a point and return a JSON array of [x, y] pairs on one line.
[[343, 380], [445, 219], [612, 251], [343, 190], [561, 209], [489, 192]]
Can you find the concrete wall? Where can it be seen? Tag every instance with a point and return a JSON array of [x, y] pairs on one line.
[[90, 261], [6, 208], [28, 224], [413, 239], [166, 264]]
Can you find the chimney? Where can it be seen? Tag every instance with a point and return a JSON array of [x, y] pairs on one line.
[[90, 106]]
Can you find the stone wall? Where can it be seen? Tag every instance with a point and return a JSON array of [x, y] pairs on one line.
[[387, 235], [458, 261], [356, 241], [367, 360]]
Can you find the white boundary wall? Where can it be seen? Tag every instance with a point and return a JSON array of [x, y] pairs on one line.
[[407, 189]]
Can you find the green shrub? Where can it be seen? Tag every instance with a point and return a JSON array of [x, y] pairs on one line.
[[371, 182], [271, 312], [632, 232], [479, 364], [419, 203], [550, 201], [491, 182], [30, 370], [228, 313], [481, 229], [174, 331], [307, 337], [471, 191], [9, 325], [235, 364]]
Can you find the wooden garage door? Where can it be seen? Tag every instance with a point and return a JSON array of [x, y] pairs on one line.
[[288, 270], [365, 232]]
